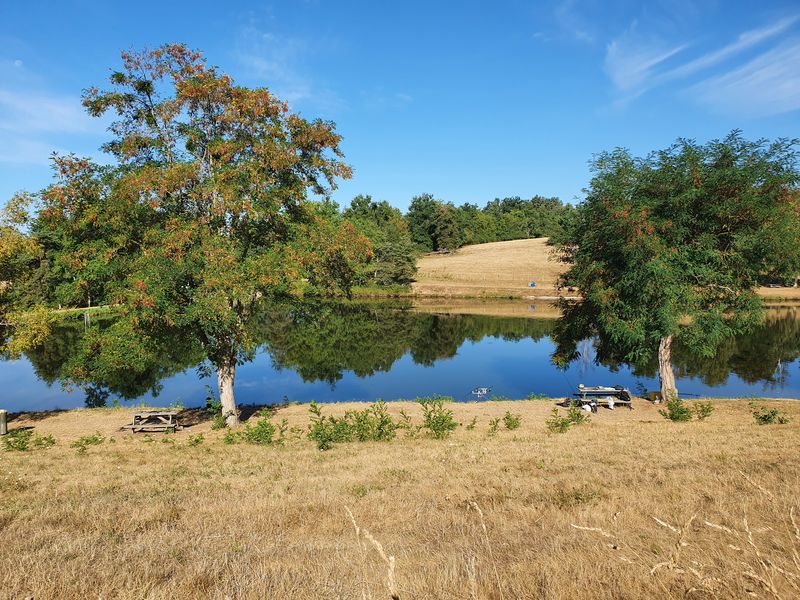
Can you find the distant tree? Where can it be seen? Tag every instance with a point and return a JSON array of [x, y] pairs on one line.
[[204, 213], [395, 262], [446, 233], [671, 247], [421, 219], [21, 260]]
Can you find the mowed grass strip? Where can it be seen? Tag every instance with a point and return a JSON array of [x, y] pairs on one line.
[[627, 506]]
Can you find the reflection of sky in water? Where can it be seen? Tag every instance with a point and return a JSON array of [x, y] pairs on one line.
[[510, 368]]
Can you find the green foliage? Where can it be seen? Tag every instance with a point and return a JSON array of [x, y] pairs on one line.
[[673, 245], [195, 440], [767, 416], [534, 396], [494, 426], [702, 410], [199, 215], [557, 423], [83, 443], [21, 440], [471, 425], [374, 423], [437, 419], [512, 421], [676, 410]]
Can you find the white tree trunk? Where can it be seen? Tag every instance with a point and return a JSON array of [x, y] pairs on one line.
[[225, 377], [665, 373]]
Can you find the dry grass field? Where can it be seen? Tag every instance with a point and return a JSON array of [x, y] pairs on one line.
[[495, 269], [504, 269], [627, 506]]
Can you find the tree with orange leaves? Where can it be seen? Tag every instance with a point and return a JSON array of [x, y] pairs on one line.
[[204, 213]]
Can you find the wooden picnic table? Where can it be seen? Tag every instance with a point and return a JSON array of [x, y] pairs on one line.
[[154, 420]]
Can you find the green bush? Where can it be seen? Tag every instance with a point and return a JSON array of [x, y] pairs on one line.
[[494, 426], [537, 397], [512, 421], [17, 440], [195, 440], [575, 416], [702, 410], [437, 419], [260, 434], [767, 416], [83, 443], [676, 410], [471, 425], [556, 423], [373, 424]]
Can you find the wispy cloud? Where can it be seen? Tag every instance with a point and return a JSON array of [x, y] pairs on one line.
[[30, 112], [767, 85], [636, 64], [572, 21], [276, 60], [631, 59]]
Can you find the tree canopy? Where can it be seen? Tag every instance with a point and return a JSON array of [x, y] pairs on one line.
[[673, 246], [204, 210]]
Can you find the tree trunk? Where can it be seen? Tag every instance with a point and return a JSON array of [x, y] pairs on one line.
[[665, 373], [225, 377]]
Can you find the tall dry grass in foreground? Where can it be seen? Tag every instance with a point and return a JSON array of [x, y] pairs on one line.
[[629, 506]]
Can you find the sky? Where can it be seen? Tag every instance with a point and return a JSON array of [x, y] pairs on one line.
[[465, 100]]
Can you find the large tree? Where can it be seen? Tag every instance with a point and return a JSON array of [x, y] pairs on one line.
[[672, 246], [204, 211]]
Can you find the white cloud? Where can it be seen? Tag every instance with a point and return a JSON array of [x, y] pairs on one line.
[[635, 64], [746, 40], [28, 112], [767, 85], [22, 151], [631, 59], [276, 60]]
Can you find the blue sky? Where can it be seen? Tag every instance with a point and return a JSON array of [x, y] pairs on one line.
[[465, 100]]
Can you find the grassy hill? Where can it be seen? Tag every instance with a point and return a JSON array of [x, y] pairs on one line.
[[495, 269], [504, 269]]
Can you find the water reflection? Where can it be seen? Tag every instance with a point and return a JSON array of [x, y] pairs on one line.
[[367, 350]]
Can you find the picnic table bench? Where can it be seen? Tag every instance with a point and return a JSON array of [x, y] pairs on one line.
[[154, 420], [603, 396]]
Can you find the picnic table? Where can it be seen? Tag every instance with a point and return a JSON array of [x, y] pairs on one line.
[[602, 395], [154, 420]]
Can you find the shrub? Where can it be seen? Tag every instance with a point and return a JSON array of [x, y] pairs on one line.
[[702, 410], [214, 407], [17, 440], [767, 416], [512, 421], [195, 440], [577, 415], [472, 424], [537, 397], [437, 419], [494, 426], [676, 411], [556, 423], [83, 443], [260, 434], [374, 423]]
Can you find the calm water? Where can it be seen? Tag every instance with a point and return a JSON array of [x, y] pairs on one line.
[[330, 353]]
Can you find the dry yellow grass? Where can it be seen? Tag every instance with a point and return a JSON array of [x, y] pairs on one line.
[[495, 269], [628, 506], [505, 269]]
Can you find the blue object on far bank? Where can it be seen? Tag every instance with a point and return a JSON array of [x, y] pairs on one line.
[[532, 284]]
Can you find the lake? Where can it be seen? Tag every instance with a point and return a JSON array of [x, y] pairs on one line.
[[362, 351]]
